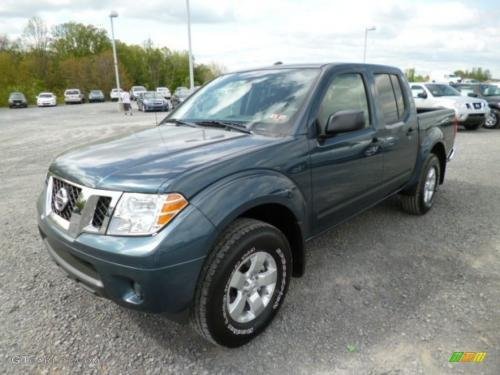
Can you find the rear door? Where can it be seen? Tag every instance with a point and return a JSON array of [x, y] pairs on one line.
[[346, 168], [399, 130]]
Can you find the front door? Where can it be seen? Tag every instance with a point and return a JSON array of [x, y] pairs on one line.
[[347, 167]]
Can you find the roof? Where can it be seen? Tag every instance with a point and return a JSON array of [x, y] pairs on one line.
[[314, 66]]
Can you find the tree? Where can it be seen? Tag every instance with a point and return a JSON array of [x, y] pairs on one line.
[[411, 76], [79, 40], [479, 74], [36, 35]]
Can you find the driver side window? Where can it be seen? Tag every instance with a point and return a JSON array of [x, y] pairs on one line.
[[346, 93]]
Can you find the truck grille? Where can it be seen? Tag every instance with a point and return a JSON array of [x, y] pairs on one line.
[[477, 105], [73, 193], [101, 210]]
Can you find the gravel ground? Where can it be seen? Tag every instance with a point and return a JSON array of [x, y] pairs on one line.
[[385, 293]]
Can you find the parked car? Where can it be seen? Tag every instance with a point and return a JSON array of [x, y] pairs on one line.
[[470, 112], [152, 101], [490, 93], [205, 216], [46, 99], [96, 96], [17, 100], [115, 94], [165, 92], [180, 94], [73, 96], [444, 77], [135, 91]]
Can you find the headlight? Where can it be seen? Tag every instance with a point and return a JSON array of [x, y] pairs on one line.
[[144, 214]]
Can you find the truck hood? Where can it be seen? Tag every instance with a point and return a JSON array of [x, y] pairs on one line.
[[144, 161], [451, 100]]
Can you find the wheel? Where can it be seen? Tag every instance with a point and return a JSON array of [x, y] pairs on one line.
[[492, 120], [420, 199], [242, 284], [472, 127]]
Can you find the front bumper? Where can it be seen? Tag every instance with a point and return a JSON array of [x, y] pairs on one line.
[[472, 119], [156, 274]]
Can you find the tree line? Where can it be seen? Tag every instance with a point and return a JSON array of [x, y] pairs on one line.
[[74, 55], [479, 74]]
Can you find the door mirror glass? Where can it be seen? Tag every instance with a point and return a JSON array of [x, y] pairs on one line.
[[345, 121], [422, 95]]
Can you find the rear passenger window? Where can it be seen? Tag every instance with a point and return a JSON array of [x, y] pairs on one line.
[[398, 93], [390, 97], [345, 93]]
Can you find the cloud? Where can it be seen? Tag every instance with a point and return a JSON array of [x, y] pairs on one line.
[[441, 35]]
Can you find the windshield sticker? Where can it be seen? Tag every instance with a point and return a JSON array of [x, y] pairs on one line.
[[278, 117]]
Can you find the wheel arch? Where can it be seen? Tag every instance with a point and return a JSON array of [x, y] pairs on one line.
[[268, 196]]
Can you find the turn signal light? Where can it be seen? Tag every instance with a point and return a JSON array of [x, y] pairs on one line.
[[174, 203]]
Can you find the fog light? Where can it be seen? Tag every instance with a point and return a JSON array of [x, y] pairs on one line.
[[134, 296], [138, 290]]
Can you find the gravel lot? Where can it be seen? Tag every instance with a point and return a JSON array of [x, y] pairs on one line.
[[385, 293]]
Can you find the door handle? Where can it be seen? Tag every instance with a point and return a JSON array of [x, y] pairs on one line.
[[410, 130], [373, 147]]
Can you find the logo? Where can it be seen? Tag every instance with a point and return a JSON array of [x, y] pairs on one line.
[[468, 357], [61, 199]]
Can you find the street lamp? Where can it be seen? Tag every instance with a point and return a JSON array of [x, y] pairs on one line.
[[191, 73], [373, 28], [112, 15]]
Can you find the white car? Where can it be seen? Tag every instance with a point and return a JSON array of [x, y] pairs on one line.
[[470, 112], [135, 91], [73, 96], [46, 99], [115, 94], [164, 91], [444, 77]]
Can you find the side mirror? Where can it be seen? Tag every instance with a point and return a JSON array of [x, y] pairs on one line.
[[344, 121], [422, 95], [471, 94]]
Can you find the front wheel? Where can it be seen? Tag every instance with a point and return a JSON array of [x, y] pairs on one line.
[[243, 283], [492, 120], [420, 199]]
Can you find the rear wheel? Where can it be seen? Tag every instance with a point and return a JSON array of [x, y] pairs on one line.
[[243, 283], [421, 198]]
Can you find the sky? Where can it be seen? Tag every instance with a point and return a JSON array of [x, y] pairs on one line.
[[440, 35]]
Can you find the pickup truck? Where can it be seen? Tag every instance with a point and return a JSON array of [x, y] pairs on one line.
[[204, 218]]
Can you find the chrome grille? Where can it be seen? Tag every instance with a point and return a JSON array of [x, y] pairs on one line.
[[73, 194], [101, 210]]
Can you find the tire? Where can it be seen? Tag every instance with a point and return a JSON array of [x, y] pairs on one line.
[[472, 127], [416, 202], [244, 245], [492, 120]]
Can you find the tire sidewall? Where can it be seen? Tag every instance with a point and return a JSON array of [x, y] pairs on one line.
[[495, 125], [431, 162], [222, 327]]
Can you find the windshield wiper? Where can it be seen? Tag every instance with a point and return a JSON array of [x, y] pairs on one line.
[[179, 122], [226, 124]]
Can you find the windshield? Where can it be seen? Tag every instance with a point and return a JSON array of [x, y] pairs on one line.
[[442, 90], [16, 95], [96, 92], [72, 92], [45, 95], [152, 95], [490, 90], [138, 88], [264, 100]]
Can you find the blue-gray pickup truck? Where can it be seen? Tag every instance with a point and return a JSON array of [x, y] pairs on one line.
[[204, 218]]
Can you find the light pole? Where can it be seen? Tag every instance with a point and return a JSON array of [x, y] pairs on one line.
[[112, 15], [373, 28], [191, 73]]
